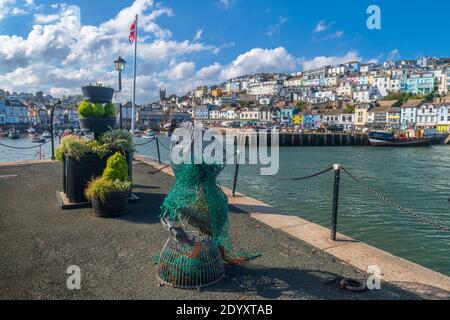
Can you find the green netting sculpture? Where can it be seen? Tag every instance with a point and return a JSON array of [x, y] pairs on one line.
[[196, 201]]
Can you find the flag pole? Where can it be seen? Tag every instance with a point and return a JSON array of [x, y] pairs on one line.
[[133, 108]]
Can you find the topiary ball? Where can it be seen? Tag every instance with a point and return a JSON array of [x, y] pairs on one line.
[[110, 110], [98, 110], [116, 168], [85, 109]]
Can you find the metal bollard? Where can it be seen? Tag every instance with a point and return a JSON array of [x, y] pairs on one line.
[[236, 173], [337, 178], [157, 149]]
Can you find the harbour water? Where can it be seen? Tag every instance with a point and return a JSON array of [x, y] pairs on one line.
[[415, 178]]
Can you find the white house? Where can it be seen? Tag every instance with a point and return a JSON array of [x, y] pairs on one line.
[[266, 88], [345, 89], [365, 93], [338, 70], [265, 114], [347, 121], [366, 67], [250, 114], [214, 114], [325, 95], [427, 115], [331, 81], [409, 113], [383, 84], [295, 81]]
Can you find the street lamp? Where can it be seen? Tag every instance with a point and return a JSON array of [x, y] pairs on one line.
[[119, 65]]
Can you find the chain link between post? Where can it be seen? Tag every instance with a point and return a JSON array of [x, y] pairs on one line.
[[397, 206]]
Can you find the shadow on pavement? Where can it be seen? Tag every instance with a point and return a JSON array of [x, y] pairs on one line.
[[294, 283]]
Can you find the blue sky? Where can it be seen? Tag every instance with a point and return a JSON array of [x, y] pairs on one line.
[[187, 43]]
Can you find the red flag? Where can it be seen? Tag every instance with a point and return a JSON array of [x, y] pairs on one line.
[[132, 36]]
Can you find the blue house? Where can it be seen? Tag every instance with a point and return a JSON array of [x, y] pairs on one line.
[[202, 111], [422, 83], [309, 121], [287, 114], [2, 112]]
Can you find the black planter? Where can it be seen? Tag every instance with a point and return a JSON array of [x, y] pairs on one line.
[[79, 173], [115, 205], [98, 94], [97, 125]]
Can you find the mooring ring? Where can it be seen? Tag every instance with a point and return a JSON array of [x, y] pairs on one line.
[[353, 285]]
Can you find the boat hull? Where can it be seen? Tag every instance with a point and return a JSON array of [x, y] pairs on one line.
[[399, 143]]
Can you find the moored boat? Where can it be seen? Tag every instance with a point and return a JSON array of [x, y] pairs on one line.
[[389, 139], [38, 139], [46, 135], [14, 135]]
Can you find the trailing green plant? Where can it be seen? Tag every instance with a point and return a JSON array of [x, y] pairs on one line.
[[116, 168], [118, 140], [98, 110], [110, 110], [73, 147], [101, 187], [85, 109]]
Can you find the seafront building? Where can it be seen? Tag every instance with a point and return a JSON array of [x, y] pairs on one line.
[[307, 99]]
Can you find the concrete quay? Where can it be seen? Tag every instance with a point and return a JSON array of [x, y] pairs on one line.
[[39, 241]]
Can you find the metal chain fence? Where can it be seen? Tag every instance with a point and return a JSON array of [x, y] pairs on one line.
[[397, 206]]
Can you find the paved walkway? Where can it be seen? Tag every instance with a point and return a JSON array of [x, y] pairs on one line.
[[38, 241]]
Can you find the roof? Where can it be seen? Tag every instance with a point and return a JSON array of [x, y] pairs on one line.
[[412, 103], [385, 109], [333, 112], [388, 103]]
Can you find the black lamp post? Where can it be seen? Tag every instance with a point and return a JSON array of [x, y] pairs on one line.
[[119, 64]]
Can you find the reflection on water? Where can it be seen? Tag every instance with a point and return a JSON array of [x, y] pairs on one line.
[[416, 178]]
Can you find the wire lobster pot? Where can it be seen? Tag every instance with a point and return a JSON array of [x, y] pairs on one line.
[[194, 264]]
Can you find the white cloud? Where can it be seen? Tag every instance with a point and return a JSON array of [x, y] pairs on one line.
[[15, 7], [322, 61], [43, 19], [226, 4], [60, 54], [394, 54], [336, 34], [275, 29], [322, 26], [182, 70], [198, 35]]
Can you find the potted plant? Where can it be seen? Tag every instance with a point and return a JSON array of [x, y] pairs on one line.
[[82, 160], [109, 193], [96, 117], [98, 93], [119, 141]]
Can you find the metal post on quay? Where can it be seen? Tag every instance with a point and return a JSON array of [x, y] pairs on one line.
[[337, 178]]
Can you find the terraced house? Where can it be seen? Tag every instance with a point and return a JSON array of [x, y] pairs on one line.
[[427, 115], [443, 123]]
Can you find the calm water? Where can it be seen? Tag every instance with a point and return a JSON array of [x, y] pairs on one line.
[[416, 178]]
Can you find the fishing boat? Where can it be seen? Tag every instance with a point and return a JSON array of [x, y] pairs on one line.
[[38, 139], [14, 134], [389, 139], [46, 135]]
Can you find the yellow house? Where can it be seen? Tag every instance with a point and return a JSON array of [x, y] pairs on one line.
[[216, 93], [443, 128], [297, 119]]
